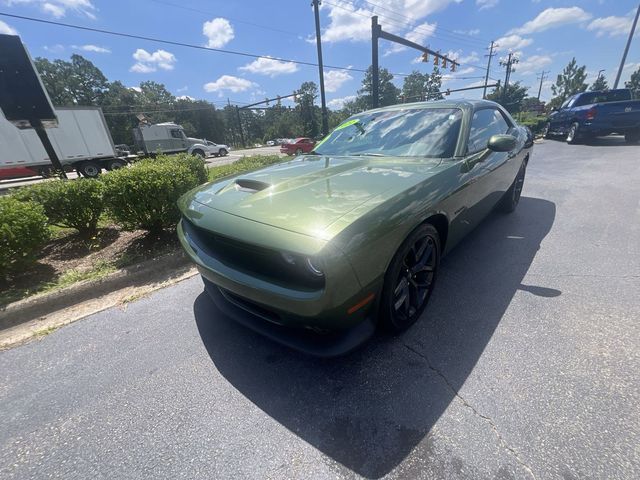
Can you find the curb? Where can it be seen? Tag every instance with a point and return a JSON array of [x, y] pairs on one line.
[[141, 273]]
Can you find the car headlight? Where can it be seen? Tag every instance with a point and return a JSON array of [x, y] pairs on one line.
[[308, 263]]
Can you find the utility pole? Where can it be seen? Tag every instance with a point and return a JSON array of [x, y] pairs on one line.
[[375, 33], [626, 49], [486, 77], [542, 74], [240, 126], [323, 101], [511, 60]]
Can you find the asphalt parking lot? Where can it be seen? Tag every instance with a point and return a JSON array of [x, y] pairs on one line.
[[525, 365]]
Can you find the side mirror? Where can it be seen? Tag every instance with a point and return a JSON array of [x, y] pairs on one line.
[[502, 143]]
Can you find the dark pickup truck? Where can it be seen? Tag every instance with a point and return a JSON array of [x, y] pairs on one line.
[[596, 114]]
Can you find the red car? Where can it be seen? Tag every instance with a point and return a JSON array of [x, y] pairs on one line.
[[298, 146]]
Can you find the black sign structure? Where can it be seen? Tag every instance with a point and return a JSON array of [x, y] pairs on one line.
[[23, 98]]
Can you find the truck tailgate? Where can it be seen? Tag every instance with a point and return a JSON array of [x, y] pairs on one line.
[[620, 114]]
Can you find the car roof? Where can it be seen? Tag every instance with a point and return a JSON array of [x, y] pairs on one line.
[[464, 104]]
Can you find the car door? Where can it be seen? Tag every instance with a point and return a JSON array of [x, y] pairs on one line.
[[561, 119], [485, 173]]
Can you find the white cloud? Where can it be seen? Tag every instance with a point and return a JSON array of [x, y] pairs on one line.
[[513, 42], [54, 10], [229, 82], [338, 103], [218, 31], [185, 97], [418, 34], [91, 48], [150, 62], [533, 64], [334, 79], [136, 89], [611, 26], [551, 18], [462, 59], [351, 22], [473, 31], [59, 8], [57, 48], [7, 29], [485, 4], [270, 67]]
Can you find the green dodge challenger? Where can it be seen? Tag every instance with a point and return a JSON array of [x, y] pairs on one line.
[[318, 251]]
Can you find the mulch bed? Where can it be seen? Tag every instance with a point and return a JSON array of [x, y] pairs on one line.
[[110, 246]]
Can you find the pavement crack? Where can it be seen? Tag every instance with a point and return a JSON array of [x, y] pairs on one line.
[[486, 418]]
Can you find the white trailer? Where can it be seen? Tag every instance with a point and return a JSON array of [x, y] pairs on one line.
[[81, 140]]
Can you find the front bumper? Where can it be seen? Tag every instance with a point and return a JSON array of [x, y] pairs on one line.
[[326, 345], [326, 309]]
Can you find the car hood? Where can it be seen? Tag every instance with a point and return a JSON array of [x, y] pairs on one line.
[[308, 194]]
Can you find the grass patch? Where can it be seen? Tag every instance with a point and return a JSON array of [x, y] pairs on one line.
[[243, 165], [99, 270]]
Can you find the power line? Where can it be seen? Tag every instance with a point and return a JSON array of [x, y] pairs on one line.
[[412, 21], [183, 44], [418, 28], [175, 43]]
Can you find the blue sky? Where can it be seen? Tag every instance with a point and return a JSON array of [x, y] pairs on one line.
[[544, 33]]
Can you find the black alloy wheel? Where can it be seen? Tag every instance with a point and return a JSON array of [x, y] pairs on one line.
[[410, 279]]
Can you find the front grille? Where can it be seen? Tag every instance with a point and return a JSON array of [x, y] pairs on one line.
[[251, 307], [252, 259]]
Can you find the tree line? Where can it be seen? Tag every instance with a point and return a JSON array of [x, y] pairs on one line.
[[79, 82]]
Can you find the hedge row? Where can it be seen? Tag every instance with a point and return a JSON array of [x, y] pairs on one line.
[[142, 197]]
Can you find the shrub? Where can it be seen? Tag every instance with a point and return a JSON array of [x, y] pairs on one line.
[[192, 162], [69, 203], [23, 232], [144, 196]]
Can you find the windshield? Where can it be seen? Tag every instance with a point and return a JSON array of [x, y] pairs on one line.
[[424, 132]]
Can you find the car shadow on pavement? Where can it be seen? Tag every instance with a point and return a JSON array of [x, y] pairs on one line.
[[369, 410]]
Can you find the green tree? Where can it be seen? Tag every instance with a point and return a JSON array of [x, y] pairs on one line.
[[511, 98], [599, 84], [78, 82], [119, 106], [388, 93], [568, 83], [634, 83], [304, 100]]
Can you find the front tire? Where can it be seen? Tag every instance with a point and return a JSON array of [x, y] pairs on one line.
[[546, 130], [573, 135], [410, 279], [298, 151], [116, 164]]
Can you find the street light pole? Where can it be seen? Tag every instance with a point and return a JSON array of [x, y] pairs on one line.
[[626, 49]]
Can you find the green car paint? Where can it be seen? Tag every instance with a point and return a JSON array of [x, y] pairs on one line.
[[347, 215]]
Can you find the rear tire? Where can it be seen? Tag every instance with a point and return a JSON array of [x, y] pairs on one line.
[[410, 279], [223, 152], [632, 137], [89, 169], [198, 153], [573, 135], [298, 151], [116, 164], [511, 198]]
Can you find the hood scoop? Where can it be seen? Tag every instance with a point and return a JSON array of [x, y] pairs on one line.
[[246, 185]]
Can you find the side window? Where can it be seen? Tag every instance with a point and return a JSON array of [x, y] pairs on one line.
[[484, 124], [175, 133]]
